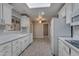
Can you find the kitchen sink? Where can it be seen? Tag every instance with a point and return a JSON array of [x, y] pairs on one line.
[[74, 42]]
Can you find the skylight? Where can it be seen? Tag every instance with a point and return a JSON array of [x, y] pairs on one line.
[[38, 5]]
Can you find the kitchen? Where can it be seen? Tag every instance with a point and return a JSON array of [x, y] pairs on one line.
[[19, 26]]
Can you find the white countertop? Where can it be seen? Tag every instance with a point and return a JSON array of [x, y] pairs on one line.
[[68, 44], [7, 37]]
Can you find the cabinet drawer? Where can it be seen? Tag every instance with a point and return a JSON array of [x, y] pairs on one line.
[[5, 49]]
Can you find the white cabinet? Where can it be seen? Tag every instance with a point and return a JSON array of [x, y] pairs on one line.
[[62, 12], [25, 41], [75, 7], [21, 44], [24, 21], [25, 24], [75, 14], [74, 53], [7, 13], [63, 49], [16, 47], [5, 49], [60, 48], [0, 13], [68, 13]]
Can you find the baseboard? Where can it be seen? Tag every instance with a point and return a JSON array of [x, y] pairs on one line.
[[38, 38]]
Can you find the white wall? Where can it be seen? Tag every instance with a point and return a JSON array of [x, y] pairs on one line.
[[38, 30]]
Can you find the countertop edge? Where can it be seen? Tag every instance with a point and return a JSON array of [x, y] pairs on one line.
[[68, 44], [13, 39]]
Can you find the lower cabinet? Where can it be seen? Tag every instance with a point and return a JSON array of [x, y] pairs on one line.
[[20, 44], [63, 49], [60, 48], [5, 49], [14, 48]]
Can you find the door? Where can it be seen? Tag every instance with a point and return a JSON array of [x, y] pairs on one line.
[[45, 30]]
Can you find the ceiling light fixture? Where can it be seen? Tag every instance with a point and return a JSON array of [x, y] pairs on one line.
[[38, 5], [40, 21]]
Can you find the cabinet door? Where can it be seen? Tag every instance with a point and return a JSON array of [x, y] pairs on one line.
[[0, 12], [31, 38], [68, 13], [62, 12], [65, 50], [65, 53], [23, 44], [23, 21], [75, 6], [7, 11], [16, 48], [5, 49], [74, 53], [60, 48]]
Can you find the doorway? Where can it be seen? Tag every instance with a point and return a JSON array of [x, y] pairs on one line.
[[45, 30]]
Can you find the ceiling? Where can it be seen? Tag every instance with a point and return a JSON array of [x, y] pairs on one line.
[[51, 11]]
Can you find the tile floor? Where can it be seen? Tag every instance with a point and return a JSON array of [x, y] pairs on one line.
[[39, 47]]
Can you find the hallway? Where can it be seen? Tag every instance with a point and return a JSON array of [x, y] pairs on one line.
[[40, 47]]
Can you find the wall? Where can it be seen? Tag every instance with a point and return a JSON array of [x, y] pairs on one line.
[[38, 30]]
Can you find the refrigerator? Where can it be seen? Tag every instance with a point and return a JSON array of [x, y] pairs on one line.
[[58, 28]]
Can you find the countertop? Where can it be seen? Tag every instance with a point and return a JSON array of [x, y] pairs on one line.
[[68, 44], [7, 37]]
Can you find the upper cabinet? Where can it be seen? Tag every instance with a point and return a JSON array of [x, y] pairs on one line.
[[68, 13], [0, 13], [25, 23], [75, 14], [75, 7], [62, 12], [7, 13]]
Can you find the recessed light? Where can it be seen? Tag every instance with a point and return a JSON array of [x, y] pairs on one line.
[[38, 5]]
